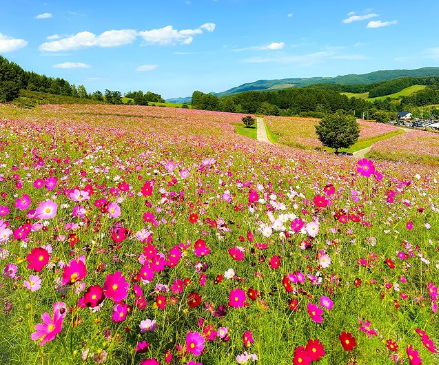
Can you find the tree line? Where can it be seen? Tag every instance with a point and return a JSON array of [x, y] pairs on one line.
[[13, 79]]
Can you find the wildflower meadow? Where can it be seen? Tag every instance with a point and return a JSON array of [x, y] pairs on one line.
[[148, 235]]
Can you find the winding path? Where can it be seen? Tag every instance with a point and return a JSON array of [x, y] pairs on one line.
[[362, 153], [262, 133]]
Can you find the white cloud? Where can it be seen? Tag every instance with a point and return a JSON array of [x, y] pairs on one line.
[[210, 27], [274, 46], [356, 18], [144, 68], [111, 38], [8, 44], [44, 16], [53, 37], [114, 38], [71, 65], [290, 15], [379, 23]]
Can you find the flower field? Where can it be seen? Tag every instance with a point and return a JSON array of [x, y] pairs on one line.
[[300, 132], [416, 146], [148, 235]]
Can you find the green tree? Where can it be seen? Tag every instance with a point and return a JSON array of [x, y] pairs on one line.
[[338, 131], [248, 121], [82, 92]]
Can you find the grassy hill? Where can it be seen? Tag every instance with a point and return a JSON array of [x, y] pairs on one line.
[[368, 78], [404, 92]]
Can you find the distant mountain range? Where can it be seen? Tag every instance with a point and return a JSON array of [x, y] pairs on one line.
[[376, 76]]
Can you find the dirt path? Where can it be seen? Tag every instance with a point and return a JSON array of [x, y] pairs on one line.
[[262, 133]]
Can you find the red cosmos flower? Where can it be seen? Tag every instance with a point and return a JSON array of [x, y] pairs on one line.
[[160, 300], [301, 356], [193, 218], [315, 350], [274, 262], [390, 263], [94, 296], [252, 293], [287, 284], [236, 254], [38, 258], [357, 282], [193, 300], [392, 345], [293, 304], [320, 201], [218, 279], [347, 341], [73, 239]]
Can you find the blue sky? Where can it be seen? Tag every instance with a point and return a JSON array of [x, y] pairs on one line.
[[173, 47]]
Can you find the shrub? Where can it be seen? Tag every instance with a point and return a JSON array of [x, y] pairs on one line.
[[248, 121]]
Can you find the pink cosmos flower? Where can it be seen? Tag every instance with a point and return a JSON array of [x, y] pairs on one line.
[[142, 347], [49, 328], [324, 260], [432, 290], [51, 183], [73, 272], [237, 298], [184, 174], [115, 287], [365, 327], [33, 284], [194, 343], [23, 203], [315, 312], [113, 210], [236, 254], [149, 362], [46, 210], [79, 195], [253, 196], [148, 325], [409, 226], [38, 183], [5, 233], [365, 167], [9, 271], [326, 302], [146, 273], [312, 229], [119, 312], [4, 210]]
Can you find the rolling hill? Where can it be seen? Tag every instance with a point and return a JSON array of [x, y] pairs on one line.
[[376, 76]]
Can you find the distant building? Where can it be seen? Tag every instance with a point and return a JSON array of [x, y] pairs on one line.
[[404, 116]]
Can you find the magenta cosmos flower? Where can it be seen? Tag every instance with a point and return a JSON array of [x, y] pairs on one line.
[[365, 167], [194, 343], [38, 258], [149, 362], [23, 203], [315, 312], [48, 330], [326, 302], [237, 298], [119, 312], [75, 271], [46, 210], [115, 287]]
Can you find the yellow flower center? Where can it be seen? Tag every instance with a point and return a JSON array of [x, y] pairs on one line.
[[41, 258], [31, 283], [347, 342], [93, 296], [73, 277], [47, 210], [192, 345], [121, 314], [314, 349], [50, 327], [114, 286]]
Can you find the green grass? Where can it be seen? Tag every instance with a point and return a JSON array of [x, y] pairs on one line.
[[364, 143], [357, 95], [404, 92], [272, 137], [251, 132], [169, 105], [281, 86]]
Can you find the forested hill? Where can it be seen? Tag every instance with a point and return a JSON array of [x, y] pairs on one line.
[[372, 77]]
